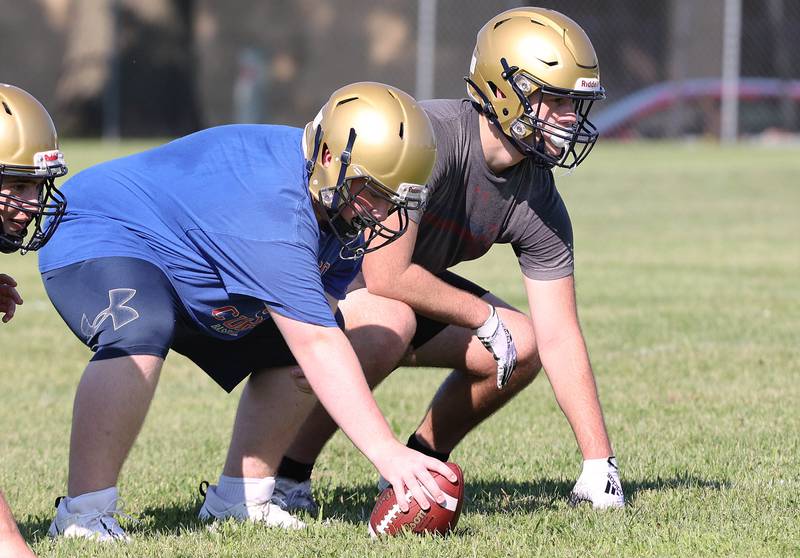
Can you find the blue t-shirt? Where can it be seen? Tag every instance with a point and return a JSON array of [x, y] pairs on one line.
[[224, 212]]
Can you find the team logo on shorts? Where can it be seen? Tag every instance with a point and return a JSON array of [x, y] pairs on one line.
[[119, 313]]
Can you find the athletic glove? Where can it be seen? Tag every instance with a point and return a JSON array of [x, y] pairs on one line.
[[599, 485], [497, 340]]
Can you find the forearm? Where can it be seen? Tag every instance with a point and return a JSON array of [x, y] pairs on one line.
[[390, 273], [566, 361], [334, 373], [569, 371], [429, 296], [8, 527]]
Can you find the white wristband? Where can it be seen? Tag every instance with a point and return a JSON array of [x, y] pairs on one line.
[[599, 466]]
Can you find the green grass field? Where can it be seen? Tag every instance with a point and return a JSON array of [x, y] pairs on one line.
[[688, 263]]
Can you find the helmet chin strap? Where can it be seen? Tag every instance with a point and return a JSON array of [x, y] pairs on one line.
[[348, 234], [312, 161], [345, 158], [488, 110], [7, 246], [537, 152]]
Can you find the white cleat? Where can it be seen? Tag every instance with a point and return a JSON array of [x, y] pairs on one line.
[[293, 496], [90, 516], [215, 508]]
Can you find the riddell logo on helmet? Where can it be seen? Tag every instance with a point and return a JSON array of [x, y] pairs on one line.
[[45, 159], [587, 84]]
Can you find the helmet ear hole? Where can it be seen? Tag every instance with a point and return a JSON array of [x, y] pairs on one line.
[[496, 91], [326, 156]]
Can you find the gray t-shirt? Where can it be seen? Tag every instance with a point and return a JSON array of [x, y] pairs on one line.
[[470, 207]]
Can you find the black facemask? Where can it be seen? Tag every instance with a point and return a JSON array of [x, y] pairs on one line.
[[45, 215]]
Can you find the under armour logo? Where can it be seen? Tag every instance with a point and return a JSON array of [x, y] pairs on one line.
[[117, 311]]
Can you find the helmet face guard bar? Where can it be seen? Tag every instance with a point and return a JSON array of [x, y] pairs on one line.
[[357, 236], [45, 213], [577, 139]]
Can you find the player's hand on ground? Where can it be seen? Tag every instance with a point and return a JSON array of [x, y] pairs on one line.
[[9, 297], [408, 470], [599, 485], [496, 338]]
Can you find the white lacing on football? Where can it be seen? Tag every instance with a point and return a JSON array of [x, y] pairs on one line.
[[450, 503], [387, 519]]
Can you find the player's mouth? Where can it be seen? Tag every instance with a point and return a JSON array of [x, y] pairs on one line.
[[557, 139], [17, 228], [557, 142], [553, 145]]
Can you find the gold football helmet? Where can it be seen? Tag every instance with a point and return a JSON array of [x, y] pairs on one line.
[[523, 54], [29, 151], [374, 132]]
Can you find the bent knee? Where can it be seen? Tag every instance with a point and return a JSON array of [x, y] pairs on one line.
[[526, 371], [378, 327], [529, 362], [405, 322]]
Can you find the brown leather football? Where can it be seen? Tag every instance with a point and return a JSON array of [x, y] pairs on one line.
[[387, 519]]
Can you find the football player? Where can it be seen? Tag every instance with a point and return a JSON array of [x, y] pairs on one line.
[[30, 209], [232, 247], [532, 82]]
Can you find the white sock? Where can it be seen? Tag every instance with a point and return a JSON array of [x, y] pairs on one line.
[[238, 489], [92, 501]]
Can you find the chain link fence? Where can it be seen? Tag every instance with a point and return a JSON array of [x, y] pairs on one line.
[[166, 67]]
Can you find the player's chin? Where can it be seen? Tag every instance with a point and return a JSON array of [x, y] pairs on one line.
[[552, 149], [17, 229]]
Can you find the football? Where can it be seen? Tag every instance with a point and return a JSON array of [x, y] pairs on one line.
[[387, 519]]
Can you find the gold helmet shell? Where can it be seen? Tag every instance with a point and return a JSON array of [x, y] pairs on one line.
[[524, 53], [28, 139], [29, 151], [374, 132]]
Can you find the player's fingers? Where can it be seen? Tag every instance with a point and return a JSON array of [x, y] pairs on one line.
[[399, 492], [8, 312], [417, 492], [7, 292], [7, 280], [441, 468], [14, 295], [425, 478]]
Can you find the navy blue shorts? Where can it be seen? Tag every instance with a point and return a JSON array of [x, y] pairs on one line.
[[427, 328], [120, 306]]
